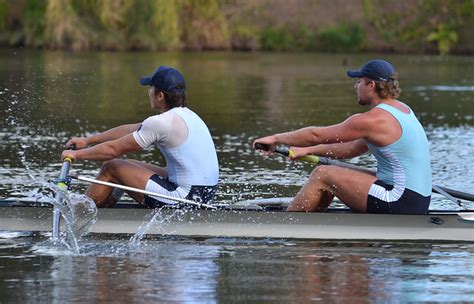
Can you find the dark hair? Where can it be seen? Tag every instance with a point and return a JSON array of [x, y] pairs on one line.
[[174, 100], [387, 89]]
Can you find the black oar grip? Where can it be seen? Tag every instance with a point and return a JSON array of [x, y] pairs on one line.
[[265, 147], [259, 146]]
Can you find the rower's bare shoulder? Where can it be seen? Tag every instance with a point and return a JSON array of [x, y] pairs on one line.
[[377, 115], [367, 118]]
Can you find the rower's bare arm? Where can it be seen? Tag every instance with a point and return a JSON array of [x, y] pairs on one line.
[[338, 151], [105, 151], [112, 134], [355, 127]]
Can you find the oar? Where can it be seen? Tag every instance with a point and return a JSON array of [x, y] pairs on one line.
[[318, 160], [127, 188], [61, 182], [315, 160]]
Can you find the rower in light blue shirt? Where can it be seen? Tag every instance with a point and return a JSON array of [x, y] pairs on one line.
[[389, 130]]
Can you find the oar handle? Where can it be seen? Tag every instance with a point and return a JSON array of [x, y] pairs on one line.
[[62, 180], [313, 159], [316, 160]]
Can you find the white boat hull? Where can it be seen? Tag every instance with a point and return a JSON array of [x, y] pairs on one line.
[[258, 224]]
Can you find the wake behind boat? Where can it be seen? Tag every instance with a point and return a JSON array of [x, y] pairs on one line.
[[259, 219]]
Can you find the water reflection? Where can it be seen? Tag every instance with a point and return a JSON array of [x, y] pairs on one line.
[[231, 270], [111, 271]]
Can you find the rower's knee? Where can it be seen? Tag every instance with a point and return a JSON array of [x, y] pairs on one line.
[[319, 174], [323, 176], [110, 167]]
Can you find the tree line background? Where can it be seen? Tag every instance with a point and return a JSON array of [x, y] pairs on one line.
[[419, 26]]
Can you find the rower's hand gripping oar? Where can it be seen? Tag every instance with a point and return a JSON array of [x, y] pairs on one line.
[[451, 194], [313, 159]]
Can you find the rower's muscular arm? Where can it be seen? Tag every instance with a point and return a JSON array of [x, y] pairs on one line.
[[366, 126], [359, 126], [353, 128], [112, 134], [338, 151], [105, 151]]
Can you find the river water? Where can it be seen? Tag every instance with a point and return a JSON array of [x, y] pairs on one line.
[[47, 97]]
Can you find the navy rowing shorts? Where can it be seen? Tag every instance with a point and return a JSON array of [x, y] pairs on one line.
[[410, 202], [160, 185]]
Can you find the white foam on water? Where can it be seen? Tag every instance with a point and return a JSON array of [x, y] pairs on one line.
[[14, 234]]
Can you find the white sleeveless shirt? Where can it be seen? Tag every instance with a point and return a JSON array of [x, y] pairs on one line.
[[186, 144]]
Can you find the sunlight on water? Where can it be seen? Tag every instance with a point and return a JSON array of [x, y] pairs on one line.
[[446, 88]]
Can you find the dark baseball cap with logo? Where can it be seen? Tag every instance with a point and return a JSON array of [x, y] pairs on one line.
[[375, 69], [166, 79]]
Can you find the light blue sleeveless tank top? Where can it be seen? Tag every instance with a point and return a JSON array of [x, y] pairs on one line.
[[194, 162], [406, 162]]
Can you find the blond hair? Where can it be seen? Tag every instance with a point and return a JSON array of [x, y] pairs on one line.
[[387, 89]]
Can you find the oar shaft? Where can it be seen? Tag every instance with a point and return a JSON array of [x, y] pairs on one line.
[[127, 188], [456, 193], [318, 160], [56, 210]]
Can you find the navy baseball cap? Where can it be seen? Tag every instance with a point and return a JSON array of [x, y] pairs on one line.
[[166, 79], [375, 69]]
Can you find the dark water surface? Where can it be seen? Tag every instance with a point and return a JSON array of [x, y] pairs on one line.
[[234, 270], [48, 97]]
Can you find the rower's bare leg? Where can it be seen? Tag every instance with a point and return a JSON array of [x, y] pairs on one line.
[[350, 186], [124, 172], [158, 170]]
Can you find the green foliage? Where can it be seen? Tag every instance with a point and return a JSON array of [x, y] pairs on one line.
[[276, 39], [63, 27], [203, 25], [445, 37], [113, 13], [382, 21], [3, 14], [33, 22], [245, 37], [339, 38], [342, 37], [422, 25], [305, 39]]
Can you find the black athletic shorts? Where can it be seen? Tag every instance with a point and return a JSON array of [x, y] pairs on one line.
[[158, 184], [410, 202]]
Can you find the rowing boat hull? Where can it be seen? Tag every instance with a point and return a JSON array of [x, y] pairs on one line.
[[259, 224]]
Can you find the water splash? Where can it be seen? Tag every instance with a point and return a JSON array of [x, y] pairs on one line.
[[155, 219], [79, 213]]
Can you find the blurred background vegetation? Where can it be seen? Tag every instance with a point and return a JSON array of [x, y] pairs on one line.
[[416, 26]]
